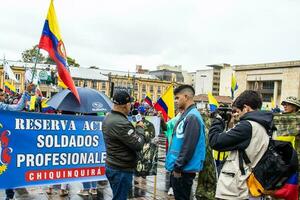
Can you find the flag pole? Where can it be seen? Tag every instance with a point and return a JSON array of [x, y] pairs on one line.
[[155, 182], [34, 67]]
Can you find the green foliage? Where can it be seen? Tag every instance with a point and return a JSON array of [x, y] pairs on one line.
[[72, 62], [30, 55]]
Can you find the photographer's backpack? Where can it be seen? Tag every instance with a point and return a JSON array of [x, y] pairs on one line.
[[273, 170]]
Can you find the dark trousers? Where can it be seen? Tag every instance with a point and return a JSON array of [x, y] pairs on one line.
[[182, 186], [9, 193], [120, 182]]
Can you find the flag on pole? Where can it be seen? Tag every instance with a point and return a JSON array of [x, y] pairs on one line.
[[234, 85], [272, 103], [51, 41], [148, 99], [9, 71], [166, 104], [213, 103], [29, 79], [9, 88], [45, 107]]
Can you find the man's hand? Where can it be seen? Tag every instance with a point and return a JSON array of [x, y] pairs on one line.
[[176, 174], [141, 124]]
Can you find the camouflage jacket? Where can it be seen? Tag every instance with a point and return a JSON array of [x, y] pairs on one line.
[[287, 124], [207, 178]]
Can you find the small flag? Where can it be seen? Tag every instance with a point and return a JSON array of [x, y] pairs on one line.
[[148, 99], [9, 71], [29, 79], [9, 88], [51, 41], [45, 107], [213, 104], [166, 104], [272, 103], [234, 85]]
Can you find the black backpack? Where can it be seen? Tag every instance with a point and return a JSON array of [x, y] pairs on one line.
[[276, 166]]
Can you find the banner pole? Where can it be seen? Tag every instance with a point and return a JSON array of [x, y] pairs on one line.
[[154, 187]]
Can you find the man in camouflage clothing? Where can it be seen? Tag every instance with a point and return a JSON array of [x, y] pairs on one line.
[[207, 178], [288, 123], [147, 157]]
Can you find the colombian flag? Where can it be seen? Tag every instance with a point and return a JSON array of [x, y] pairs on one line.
[[166, 104], [51, 41], [289, 191], [148, 99], [213, 104], [45, 107], [234, 85], [9, 88]]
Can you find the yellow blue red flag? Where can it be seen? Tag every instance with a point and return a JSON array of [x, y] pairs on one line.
[[213, 103], [234, 85], [148, 99], [166, 104], [51, 41], [9, 88]]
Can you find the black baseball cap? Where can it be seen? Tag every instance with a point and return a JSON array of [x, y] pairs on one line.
[[122, 97]]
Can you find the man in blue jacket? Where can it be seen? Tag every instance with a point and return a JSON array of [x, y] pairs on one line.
[[186, 154]]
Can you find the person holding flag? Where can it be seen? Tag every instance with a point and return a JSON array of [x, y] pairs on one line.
[[20, 105]]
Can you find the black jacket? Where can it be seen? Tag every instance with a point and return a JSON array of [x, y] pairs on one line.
[[237, 138], [122, 141]]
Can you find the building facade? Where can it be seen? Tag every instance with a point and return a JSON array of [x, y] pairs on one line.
[[102, 80], [275, 81]]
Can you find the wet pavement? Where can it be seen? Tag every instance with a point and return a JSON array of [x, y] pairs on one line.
[[143, 188]]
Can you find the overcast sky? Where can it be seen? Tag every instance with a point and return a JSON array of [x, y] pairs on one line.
[[119, 34]]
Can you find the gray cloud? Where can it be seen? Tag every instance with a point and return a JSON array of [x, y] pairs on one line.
[[120, 34]]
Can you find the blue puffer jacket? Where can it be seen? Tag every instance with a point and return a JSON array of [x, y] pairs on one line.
[[187, 149]]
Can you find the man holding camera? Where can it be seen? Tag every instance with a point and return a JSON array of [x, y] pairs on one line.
[[248, 137], [123, 141], [186, 153]]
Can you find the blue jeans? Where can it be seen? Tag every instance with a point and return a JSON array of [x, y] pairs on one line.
[[89, 185], [120, 182]]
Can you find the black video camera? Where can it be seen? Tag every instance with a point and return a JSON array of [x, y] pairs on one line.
[[225, 113]]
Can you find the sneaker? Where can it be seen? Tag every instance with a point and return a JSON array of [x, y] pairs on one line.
[[83, 193], [170, 192], [93, 191]]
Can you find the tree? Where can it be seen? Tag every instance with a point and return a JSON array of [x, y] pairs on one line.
[[72, 62], [30, 55]]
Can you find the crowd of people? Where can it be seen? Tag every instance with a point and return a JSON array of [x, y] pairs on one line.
[[192, 136]]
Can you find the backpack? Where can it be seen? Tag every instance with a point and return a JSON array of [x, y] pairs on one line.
[[276, 166]]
